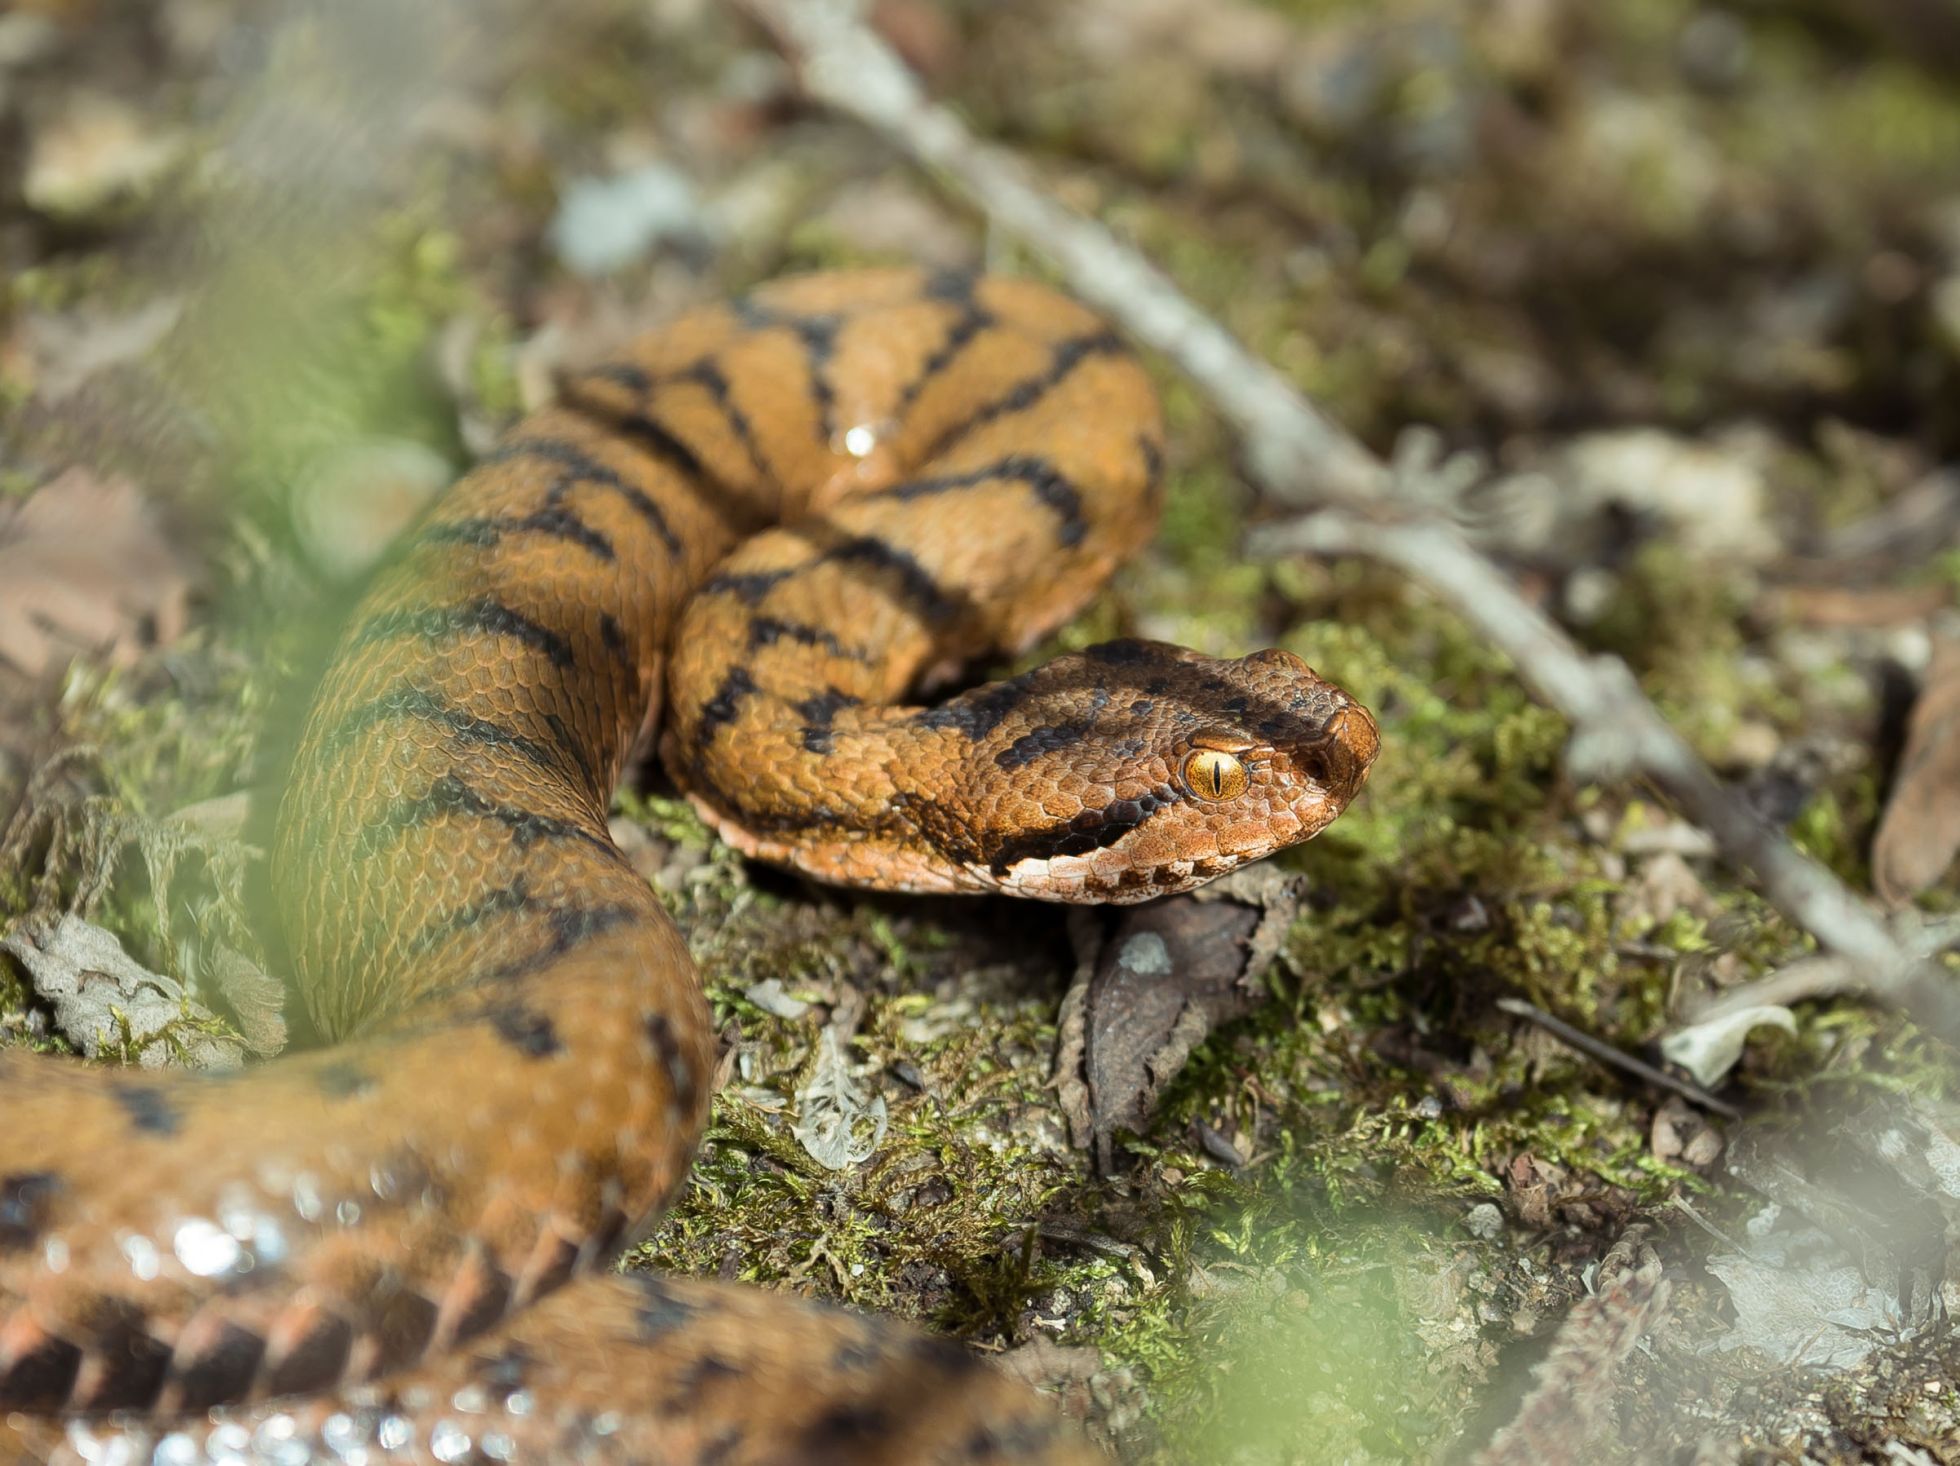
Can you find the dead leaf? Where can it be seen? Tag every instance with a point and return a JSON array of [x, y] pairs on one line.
[[1920, 829], [67, 350], [1681, 1135], [1151, 988], [838, 1120], [1709, 1049], [1534, 1185], [84, 566], [98, 152], [1800, 1300], [256, 1000], [1665, 885], [1041, 1363], [353, 502], [104, 1000]]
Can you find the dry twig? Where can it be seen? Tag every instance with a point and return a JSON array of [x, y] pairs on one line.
[[1614, 1058], [1356, 503]]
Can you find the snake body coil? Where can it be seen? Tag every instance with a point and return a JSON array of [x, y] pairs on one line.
[[783, 515]]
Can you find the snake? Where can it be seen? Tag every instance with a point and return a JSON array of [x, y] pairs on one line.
[[748, 542]]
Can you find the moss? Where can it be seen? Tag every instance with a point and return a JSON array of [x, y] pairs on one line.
[[1380, 1091]]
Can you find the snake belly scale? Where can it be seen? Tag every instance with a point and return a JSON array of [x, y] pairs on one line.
[[778, 517]]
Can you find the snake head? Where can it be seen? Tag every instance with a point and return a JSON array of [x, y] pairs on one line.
[[1138, 769]]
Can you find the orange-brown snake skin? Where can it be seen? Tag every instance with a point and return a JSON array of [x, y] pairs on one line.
[[778, 516]]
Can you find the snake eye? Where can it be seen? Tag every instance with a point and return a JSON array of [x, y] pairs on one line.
[[1213, 774]]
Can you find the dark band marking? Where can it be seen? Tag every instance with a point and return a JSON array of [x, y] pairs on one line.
[[656, 438], [402, 1332], [507, 1370], [1041, 476], [1050, 739], [1124, 652], [1053, 737], [1026, 393], [26, 1199], [426, 707], [768, 630], [1089, 831], [581, 467], [818, 336], [450, 795], [482, 617], [748, 587], [554, 521], [725, 706], [342, 1079], [513, 898], [137, 1364], [851, 1425], [680, 1074], [148, 1108], [623, 374], [614, 636], [977, 713], [528, 1031], [915, 583], [1009, 1440], [487, 1301], [817, 714], [703, 1372], [42, 1377], [571, 927], [706, 375], [659, 1312], [973, 319], [955, 287], [222, 1372], [316, 1360], [855, 1354], [940, 1353]]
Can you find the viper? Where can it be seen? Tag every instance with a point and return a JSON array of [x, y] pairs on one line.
[[749, 541]]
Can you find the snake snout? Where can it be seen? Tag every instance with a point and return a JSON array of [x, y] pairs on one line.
[[1352, 741]]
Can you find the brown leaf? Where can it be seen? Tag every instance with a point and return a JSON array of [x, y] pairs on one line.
[[1683, 1136], [83, 565], [1150, 990], [1920, 829]]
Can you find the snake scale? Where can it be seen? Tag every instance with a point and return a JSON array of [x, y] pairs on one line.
[[779, 516]]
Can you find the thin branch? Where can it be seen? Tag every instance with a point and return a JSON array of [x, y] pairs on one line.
[[1616, 730], [1615, 1058], [1300, 457], [1821, 975]]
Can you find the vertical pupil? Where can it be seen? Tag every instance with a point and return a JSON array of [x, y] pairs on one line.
[[1217, 776]]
